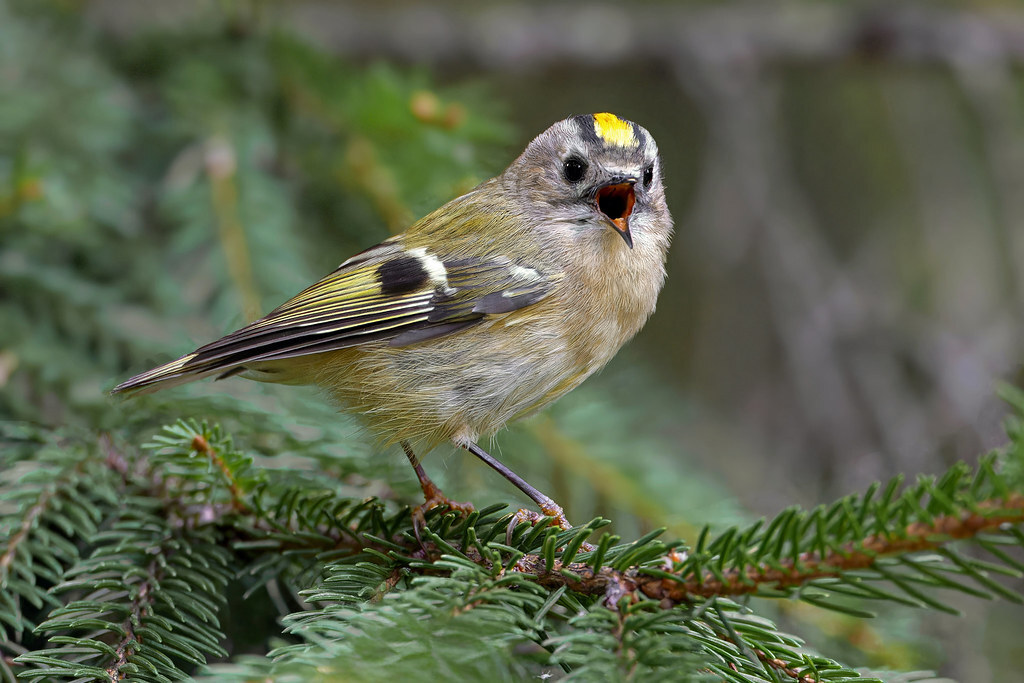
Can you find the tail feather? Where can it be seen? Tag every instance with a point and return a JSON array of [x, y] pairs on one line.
[[168, 375]]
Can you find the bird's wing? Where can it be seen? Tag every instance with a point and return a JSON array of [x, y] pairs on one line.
[[385, 293]]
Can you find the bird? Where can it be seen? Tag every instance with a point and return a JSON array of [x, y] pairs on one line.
[[482, 312]]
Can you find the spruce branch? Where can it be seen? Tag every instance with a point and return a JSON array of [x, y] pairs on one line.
[[64, 483], [811, 566], [634, 576]]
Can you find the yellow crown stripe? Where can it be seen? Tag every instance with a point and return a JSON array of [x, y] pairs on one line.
[[614, 130]]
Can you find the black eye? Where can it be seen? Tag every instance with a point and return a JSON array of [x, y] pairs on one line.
[[574, 169], [648, 176]]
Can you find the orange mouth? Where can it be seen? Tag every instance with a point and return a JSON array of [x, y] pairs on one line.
[[616, 202]]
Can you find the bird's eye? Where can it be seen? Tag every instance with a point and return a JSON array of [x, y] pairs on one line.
[[648, 176], [574, 169]]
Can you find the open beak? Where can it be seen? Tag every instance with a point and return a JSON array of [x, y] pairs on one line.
[[615, 200]]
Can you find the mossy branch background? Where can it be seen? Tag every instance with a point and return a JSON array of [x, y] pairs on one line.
[[845, 285]]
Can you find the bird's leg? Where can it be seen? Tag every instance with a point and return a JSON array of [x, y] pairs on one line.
[[433, 495], [548, 507]]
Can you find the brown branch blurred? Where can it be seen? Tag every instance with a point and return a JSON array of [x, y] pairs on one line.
[[221, 169]]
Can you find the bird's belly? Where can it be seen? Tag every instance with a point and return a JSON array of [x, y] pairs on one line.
[[457, 387]]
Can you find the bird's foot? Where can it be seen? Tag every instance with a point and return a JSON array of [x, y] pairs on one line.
[[550, 513], [435, 497]]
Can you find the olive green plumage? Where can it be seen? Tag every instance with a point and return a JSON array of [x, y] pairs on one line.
[[485, 310]]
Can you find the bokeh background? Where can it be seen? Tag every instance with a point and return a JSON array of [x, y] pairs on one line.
[[846, 285]]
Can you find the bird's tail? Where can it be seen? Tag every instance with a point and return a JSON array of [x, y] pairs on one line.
[[171, 374]]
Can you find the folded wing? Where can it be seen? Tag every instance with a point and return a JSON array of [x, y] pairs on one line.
[[385, 293]]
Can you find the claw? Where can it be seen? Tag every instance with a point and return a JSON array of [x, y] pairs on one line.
[[434, 498], [529, 516], [551, 514]]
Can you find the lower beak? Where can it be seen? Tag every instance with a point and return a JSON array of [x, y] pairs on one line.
[[616, 201]]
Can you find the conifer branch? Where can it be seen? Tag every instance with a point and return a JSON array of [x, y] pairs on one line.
[[810, 566]]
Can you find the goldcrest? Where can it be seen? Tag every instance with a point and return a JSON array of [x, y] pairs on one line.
[[483, 311]]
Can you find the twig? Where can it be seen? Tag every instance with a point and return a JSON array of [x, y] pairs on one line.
[[140, 605], [202, 446]]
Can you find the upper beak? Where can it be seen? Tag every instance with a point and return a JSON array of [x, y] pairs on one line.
[[615, 200]]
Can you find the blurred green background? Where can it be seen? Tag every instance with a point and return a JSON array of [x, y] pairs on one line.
[[846, 284]]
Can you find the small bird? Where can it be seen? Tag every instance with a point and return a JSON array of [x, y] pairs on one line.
[[484, 311]]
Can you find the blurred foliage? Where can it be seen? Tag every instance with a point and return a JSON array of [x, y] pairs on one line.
[[159, 188]]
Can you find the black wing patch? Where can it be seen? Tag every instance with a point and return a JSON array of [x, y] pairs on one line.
[[401, 275]]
